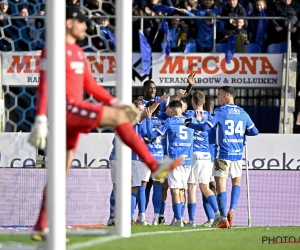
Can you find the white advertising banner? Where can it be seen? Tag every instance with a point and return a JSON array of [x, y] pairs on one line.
[[274, 152], [93, 150], [15, 151], [266, 151], [211, 69]]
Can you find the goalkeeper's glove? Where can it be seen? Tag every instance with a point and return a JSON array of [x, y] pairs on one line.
[[117, 103], [39, 132], [131, 111], [187, 122]]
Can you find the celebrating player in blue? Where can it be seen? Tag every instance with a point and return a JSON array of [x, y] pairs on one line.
[[179, 141], [157, 151], [202, 168], [232, 124]]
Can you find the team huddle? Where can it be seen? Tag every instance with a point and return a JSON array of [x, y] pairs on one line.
[[211, 144]]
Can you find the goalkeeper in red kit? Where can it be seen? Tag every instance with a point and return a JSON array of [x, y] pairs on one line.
[[82, 117]]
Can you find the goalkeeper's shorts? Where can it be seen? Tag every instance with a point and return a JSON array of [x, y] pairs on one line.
[[81, 118]]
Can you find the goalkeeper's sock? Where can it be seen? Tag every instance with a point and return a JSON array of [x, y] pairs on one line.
[[222, 202], [42, 221], [177, 210], [212, 200], [129, 136], [112, 205], [133, 203], [141, 198], [182, 209], [157, 197], [235, 195], [191, 211], [162, 208], [207, 208]]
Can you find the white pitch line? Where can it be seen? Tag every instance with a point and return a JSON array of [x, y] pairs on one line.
[[103, 240]]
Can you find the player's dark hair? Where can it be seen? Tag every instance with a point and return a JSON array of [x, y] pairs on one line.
[[156, 111], [229, 90], [175, 104], [184, 100], [198, 97], [146, 83]]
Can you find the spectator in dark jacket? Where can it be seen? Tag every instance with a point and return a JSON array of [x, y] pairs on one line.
[[9, 32], [278, 28], [28, 30], [232, 9]]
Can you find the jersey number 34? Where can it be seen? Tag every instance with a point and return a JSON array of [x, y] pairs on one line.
[[233, 128]]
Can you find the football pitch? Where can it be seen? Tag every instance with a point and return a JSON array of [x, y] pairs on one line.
[[173, 238]]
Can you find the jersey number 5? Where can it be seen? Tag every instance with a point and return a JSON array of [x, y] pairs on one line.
[[183, 134], [231, 128]]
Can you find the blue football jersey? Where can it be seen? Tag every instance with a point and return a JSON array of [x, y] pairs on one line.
[[155, 146], [200, 137], [162, 105], [179, 138], [231, 122]]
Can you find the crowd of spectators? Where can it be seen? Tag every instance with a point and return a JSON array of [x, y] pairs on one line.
[[29, 33]]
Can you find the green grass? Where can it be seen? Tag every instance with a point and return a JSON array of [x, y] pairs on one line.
[[171, 238]]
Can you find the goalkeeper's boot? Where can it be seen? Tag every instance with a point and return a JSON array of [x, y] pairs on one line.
[[230, 216], [41, 229], [39, 234], [165, 167], [223, 223]]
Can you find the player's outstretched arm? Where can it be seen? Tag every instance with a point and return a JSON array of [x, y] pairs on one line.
[[197, 126], [191, 80], [155, 105]]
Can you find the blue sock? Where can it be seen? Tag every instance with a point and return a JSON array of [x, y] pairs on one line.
[[182, 209], [222, 202], [191, 211], [142, 199], [207, 208], [112, 205], [133, 203], [162, 208], [147, 195], [157, 197], [177, 210], [235, 195], [212, 200]]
